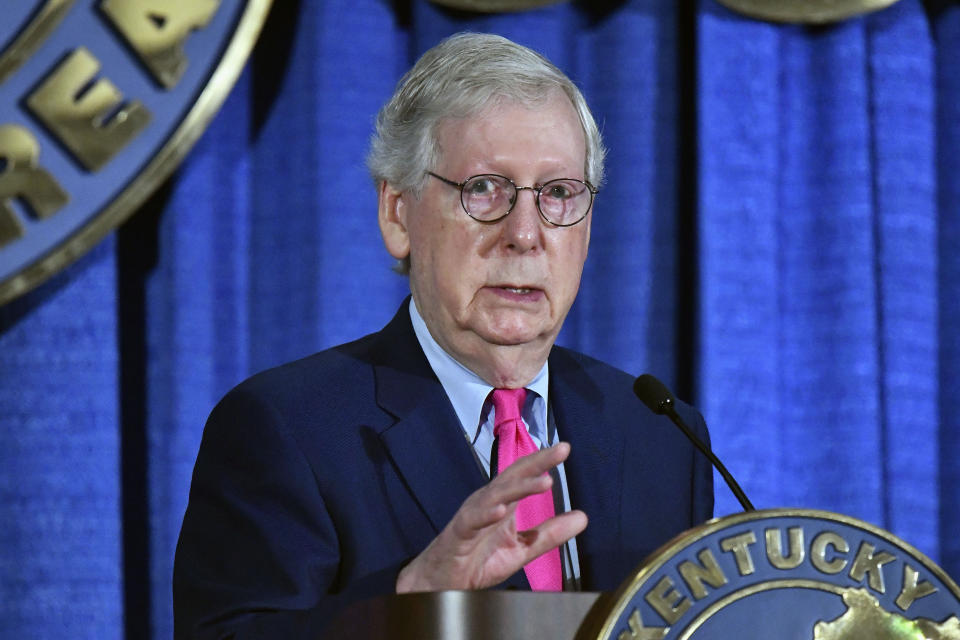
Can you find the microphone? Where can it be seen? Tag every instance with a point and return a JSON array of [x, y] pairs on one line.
[[658, 399]]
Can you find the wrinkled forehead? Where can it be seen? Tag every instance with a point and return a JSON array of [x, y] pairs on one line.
[[496, 112]]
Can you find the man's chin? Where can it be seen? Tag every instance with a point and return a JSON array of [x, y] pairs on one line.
[[514, 336]]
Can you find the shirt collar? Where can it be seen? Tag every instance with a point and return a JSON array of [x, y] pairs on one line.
[[468, 391]]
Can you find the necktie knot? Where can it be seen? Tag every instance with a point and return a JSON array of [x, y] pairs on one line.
[[507, 407]]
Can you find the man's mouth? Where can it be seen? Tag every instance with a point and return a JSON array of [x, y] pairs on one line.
[[518, 293]]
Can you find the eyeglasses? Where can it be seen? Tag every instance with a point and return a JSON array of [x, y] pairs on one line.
[[490, 197]]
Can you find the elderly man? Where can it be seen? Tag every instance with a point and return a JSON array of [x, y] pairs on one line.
[[366, 469]]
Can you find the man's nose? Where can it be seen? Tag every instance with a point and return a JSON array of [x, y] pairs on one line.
[[524, 225]]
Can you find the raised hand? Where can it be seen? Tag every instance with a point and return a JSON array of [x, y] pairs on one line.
[[481, 547]]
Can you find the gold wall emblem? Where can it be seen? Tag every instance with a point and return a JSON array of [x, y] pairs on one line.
[[99, 102], [805, 11]]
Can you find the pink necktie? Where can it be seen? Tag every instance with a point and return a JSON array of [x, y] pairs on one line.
[[543, 573]]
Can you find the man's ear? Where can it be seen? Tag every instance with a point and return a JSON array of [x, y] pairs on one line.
[[393, 221]]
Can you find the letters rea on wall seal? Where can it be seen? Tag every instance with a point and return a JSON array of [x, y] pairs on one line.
[[805, 11], [99, 102], [781, 573]]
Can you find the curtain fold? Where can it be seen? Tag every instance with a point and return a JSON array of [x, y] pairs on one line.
[[776, 239], [738, 167], [819, 263], [60, 522], [196, 330], [904, 156], [946, 31], [626, 309]]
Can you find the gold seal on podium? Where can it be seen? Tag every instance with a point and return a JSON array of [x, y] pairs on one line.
[[782, 573]]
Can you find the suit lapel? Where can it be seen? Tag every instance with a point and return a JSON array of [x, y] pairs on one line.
[[426, 443], [594, 468]]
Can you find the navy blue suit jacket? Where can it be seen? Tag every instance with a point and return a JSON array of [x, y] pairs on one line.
[[316, 481]]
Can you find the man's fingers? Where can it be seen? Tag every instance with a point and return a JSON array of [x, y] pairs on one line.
[[525, 477], [481, 546], [552, 533], [510, 485], [476, 518], [490, 505], [539, 462], [512, 489], [493, 503]]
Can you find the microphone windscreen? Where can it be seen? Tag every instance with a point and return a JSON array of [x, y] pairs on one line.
[[653, 393]]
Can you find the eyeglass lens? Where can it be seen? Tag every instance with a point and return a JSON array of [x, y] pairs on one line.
[[562, 202]]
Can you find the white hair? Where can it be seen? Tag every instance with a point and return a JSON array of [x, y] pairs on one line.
[[459, 78]]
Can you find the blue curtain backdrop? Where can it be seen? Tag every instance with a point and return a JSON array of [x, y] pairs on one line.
[[776, 240]]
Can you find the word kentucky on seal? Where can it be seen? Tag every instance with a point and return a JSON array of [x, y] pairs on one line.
[[790, 574]]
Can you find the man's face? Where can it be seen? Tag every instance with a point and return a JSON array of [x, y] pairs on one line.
[[492, 292]]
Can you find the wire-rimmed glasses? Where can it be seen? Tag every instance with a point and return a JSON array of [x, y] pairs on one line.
[[489, 197]]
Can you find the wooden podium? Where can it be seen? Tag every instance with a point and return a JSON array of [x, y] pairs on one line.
[[466, 615]]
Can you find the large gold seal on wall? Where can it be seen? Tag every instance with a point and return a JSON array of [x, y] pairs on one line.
[[99, 102], [805, 11]]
